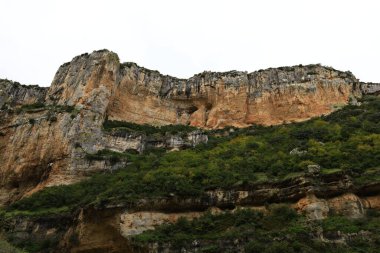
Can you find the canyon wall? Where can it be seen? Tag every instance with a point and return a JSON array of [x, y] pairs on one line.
[[47, 135], [14, 93], [206, 100], [47, 145], [216, 100]]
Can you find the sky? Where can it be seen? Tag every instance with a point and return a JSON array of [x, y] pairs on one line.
[[182, 38]]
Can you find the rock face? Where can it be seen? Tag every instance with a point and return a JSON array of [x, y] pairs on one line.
[[207, 100], [13, 93], [349, 205], [47, 134], [138, 222], [121, 141], [129, 222], [370, 88], [47, 145], [215, 100]]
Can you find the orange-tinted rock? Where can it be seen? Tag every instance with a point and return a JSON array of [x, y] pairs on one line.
[[36, 151], [215, 100], [209, 99]]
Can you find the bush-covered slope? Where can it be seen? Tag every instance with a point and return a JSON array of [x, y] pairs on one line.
[[282, 230], [347, 140]]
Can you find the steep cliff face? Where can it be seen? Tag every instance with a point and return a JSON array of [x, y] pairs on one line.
[[215, 100], [13, 93], [57, 135], [47, 144], [39, 145], [207, 100]]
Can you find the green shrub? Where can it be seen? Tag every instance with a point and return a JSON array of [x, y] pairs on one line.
[[34, 106], [6, 247], [340, 223], [146, 129]]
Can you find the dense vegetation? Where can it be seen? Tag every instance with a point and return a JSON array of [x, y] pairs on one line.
[[28, 246], [348, 140], [145, 128], [6, 247], [282, 230]]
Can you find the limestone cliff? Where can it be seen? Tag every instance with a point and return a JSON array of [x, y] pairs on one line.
[[56, 135], [47, 145], [13, 93], [207, 100]]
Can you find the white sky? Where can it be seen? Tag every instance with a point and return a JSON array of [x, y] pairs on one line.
[[182, 38]]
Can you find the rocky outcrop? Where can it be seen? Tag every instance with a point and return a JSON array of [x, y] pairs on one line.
[[39, 148], [215, 100], [137, 222], [370, 88], [121, 140], [13, 93], [338, 189], [131, 222], [109, 228], [209, 99], [348, 204]]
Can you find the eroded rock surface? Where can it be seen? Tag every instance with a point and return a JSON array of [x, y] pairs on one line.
[[47, 146], [109, 229], [13, 93]]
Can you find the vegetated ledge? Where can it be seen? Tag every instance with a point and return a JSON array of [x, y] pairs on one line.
[[220, 205], [281, 229], [284, 191], [291, 190]]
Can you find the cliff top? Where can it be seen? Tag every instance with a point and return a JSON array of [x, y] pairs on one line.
[[310, 68], [7, 82], [97, 54]]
